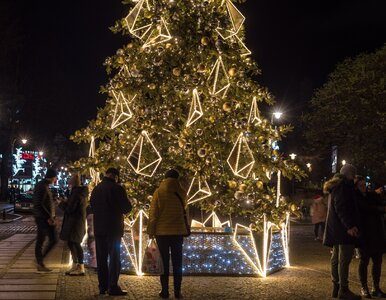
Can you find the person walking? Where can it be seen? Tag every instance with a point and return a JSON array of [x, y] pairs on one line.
[[44, 213], [74, 223], [374, 238], [168, 224], [318, 213], [109, 203], [342, 228]]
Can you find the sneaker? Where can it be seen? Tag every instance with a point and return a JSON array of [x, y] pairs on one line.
[[41, 268], [79, 270], [345, 293], [365, 292]]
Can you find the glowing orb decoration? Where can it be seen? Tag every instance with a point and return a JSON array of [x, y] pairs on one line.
[[144, 157], [237, 20], [254, 115], [122, 112], [138, 28], [195, 111], [159, 34], [198, 189], [219, 79], [241, 159]]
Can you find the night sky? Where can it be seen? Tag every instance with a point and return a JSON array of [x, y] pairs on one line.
[[296, 44]]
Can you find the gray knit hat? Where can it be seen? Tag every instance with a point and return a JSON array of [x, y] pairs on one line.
[[348, 171]]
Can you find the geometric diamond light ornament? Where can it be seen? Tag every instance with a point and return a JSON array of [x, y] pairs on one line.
[[122, 111], [198, 189], [241, 158], [195, 111], [254, 115], [138, 25], [244, 51], [219, 78], [91, 152], [144, 157], [236, 18], [159, 34]]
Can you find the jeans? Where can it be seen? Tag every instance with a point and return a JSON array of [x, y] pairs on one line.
[[340, 263], [316, 228], [171, 244], [376, 269], [44, 230], [108, 252], [76, 252]]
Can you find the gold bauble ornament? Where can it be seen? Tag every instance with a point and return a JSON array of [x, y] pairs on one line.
[[120, 60], [227, 107], [261, 139], [259, 184], [122, 142], [130, 45], [201, 68], [243, 187], [232, 184], [201, 152], [205, 41], [212, 119], [232, 72], [152, 86], [181, 142], [176, 71], [293, 207], [168, 45], [147, 14]]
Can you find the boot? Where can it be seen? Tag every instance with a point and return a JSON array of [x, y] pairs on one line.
[[335, 290], [164, 293], [365, 292], [72, 269], [79, 271], [345, 293], [377, 292]]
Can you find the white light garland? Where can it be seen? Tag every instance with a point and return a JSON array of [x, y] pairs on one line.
[[198, 189], [241, 159], [159, 34], [122, 112], [278, 192], [139, 31], [195, 111], [254, 115], [137, 158], [220, 79], [237, 20]]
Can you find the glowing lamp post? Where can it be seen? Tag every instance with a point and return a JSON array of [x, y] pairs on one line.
[[343, 162], [277, 115], [292, 156]]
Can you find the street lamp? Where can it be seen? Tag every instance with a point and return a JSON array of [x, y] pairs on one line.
[[292, 156], [343, 162], [24, 141], [41, 153], [277, 115], [309, 166]]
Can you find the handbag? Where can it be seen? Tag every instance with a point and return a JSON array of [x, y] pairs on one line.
[[152, 260], [185, 216]]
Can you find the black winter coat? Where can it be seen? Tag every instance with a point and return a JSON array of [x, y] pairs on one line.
[[372, 210], [74, 221], [342, 213], [109, 203], [44, 207]]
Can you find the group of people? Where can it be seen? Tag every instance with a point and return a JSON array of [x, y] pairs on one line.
[[109, 204], [355, 219]]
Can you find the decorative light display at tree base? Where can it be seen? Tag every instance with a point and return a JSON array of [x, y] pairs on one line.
[[212, 251]]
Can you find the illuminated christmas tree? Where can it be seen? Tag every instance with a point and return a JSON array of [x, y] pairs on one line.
[[182, 94]]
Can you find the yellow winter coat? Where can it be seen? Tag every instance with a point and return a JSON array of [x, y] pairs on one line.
[[166, 211]]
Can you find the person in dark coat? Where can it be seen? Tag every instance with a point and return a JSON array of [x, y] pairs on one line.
[[374, 237], [74, 223], [44, 213], [342, 228], [109, 203]]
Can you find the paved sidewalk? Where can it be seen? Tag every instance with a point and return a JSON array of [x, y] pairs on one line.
[[18, 277]]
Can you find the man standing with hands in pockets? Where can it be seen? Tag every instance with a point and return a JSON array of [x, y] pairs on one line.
[[342, 228]]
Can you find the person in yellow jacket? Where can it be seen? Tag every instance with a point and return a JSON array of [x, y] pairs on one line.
[[168, 224]]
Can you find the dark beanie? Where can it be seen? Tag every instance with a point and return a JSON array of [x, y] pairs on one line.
[[51, 173], [112, 171], [172, 174], [348, 170]]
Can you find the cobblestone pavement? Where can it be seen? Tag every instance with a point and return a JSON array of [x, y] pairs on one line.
[[308, 278]]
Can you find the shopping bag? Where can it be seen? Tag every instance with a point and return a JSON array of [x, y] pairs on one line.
[[152, 261]]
